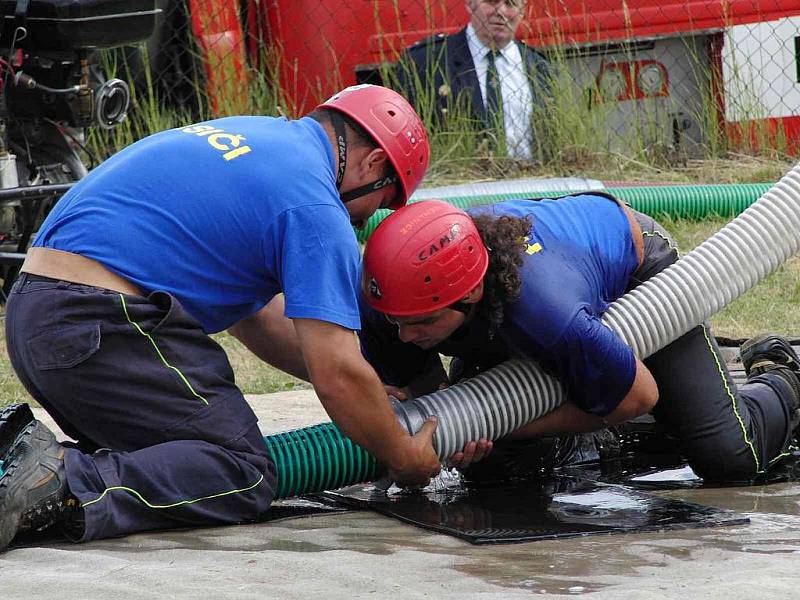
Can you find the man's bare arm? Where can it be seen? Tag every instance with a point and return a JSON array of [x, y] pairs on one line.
[[271, 336], [639, 400], [353, 396]]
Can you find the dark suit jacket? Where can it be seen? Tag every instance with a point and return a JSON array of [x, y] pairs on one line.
[[437, 74]]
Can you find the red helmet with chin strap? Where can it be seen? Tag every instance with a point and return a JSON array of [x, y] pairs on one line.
[[394, 125], [421, 258]]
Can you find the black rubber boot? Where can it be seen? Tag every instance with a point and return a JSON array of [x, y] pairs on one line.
[[33, 489], [770, 353], [13, 419]]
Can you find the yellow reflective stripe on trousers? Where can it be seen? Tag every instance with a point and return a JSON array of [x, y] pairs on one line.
[[721, 372], [779, 457], [162, 506], [161, 356], [720, 369]]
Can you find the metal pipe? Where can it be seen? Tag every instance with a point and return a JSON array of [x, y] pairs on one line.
[[34, 191]]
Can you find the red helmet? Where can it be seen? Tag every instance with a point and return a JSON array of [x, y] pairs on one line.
[[422, 258], [395, 126]]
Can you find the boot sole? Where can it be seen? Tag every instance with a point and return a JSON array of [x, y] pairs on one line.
[[13, 420], [31, 444]]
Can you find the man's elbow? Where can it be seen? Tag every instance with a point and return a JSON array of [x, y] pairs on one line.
[[634, 405], [328, 387], [645, 403], [242, 329], [641, 398], [335, 380]]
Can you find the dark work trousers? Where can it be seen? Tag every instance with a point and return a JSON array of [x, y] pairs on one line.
[[725, 433], [165, 438]]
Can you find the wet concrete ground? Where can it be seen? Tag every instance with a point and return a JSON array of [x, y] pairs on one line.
[[365, 555]]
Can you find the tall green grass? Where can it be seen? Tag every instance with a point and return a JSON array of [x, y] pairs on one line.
[[582, 132], [150, 112]]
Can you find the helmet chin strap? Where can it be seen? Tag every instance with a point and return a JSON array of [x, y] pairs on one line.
[[463, 307], [340, 131]]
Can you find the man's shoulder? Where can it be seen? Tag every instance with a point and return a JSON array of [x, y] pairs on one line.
[[428, 44], [436, 42]]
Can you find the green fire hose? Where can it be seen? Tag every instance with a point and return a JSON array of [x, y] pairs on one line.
[[313, 459], [679, 201]]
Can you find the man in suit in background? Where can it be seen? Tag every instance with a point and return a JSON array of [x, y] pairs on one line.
[[483, 73]]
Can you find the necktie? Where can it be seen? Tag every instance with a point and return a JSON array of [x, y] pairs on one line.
[[494, 98]]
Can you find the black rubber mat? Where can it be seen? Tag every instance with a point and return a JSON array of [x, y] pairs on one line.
[[551, 488], [560, 507]]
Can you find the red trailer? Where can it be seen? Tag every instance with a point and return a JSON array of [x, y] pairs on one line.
[[218, 32], [664, 67]]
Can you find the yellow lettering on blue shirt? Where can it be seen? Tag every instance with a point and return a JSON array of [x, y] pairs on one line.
[[531, 248], [230, 144]]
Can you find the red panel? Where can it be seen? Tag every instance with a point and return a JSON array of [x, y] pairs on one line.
[[714, 43], [320, 42], [215, 24], [782, 132]]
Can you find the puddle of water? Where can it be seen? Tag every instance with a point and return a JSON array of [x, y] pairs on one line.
[[555, 508], [584, 564]]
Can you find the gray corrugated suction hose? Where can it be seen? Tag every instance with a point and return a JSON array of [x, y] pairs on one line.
[[714, 274], [490, 405], [648, 318]]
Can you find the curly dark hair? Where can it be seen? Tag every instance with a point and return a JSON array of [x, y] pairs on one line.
[[504, 238]]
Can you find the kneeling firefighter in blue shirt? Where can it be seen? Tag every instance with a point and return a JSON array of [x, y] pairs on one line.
[[240, 223], [532, 279]]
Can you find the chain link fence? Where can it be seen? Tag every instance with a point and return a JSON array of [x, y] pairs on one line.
[[659, 78]]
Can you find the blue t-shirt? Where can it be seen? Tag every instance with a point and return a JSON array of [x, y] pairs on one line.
[[223, 215], [579, 258]]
